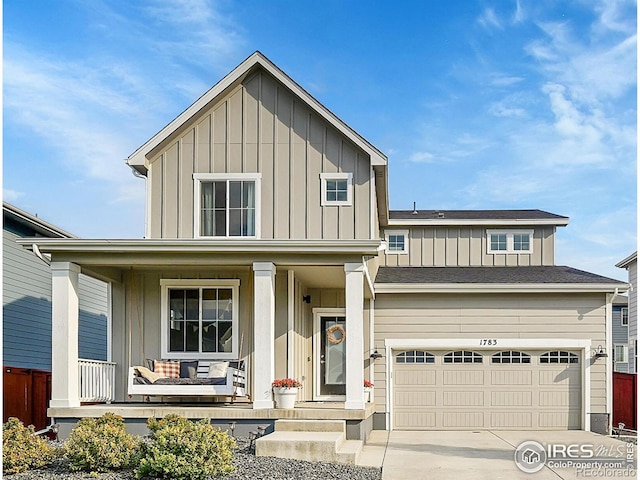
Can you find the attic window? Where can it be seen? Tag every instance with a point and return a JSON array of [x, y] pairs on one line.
[[509, 241], [337, 189]]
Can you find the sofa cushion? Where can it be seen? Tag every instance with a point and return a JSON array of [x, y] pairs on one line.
[[167, 369], [218, 369], [144, 372], [189, 369]]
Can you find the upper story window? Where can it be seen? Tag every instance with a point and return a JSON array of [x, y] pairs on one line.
[[226, 205], [337, 189], [509, 241], [624, 316], [397, 241], [199, 318]]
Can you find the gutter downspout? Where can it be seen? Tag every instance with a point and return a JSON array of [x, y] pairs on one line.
[[38, 254]]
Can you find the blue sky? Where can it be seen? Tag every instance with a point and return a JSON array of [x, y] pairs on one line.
[[478, 104]]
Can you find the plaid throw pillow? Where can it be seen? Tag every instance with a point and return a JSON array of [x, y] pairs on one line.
[[168, 369]]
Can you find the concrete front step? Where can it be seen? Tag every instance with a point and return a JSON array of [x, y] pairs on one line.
[[329, 447], [310, 426]]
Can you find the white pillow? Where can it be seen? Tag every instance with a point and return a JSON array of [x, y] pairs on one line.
[[218, 369]]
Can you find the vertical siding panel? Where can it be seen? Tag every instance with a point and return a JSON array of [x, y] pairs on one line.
[[415, 247], [512, 260], [547, 246], [170, 224], [452, 247], [156, 215], [475, 247], [203, 148], [524, 260], [331, 164], [267, 167], [464, 244], [251, 112], [361, 204], [536, 257], [428, 242], [284, 122], [187, 161], [348, 164], [234, 161], [439, 248], [220, 139], [487, 260], [299, 172], [314, 159]]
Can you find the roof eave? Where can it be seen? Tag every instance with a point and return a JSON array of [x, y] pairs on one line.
[[500, 288], [560, 222], [36, 223], [627, 261]]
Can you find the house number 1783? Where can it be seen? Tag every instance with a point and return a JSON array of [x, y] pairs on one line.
[[488, 341]]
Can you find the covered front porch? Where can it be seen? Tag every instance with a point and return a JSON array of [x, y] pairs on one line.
[[284, 297]]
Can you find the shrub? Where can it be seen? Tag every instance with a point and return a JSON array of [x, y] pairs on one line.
[[183, 449], [102, 444], [22, 450]]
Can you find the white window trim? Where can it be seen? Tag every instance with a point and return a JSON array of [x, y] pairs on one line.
[[387, 233], [625, 353], [198, 178], [165, 285], [323, 187], [622, 316], [509, 234]]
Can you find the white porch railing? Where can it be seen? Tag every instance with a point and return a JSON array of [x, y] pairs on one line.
[[97, 380]]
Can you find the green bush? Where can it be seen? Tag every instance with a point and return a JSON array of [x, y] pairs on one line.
[[102, 444], [182, 449], [22, 450]]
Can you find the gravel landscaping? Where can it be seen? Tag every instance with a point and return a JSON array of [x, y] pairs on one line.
[[248, 467]]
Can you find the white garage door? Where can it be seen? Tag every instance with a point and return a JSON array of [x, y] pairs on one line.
[[449, 390]]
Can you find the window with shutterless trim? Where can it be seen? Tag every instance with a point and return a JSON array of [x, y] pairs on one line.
[[621, 353], [624, 316], [397, 242], [509, 241], [226, 205], [336, 189]]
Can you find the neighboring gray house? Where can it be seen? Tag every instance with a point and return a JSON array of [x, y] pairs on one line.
[[631, 265], [26, 298], [620, 327], [270, 240]]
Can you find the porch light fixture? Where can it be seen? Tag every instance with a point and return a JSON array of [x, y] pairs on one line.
[[306, 298], [375, 355], [600, 353]]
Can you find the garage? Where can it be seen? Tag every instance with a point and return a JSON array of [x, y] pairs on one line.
[[498, 389]]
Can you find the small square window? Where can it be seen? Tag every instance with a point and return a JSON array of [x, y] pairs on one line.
[[499, 242], [622, 353], [521, 241], [397, 241], [337, 189]]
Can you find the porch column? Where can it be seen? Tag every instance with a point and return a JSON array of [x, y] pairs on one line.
[[264, 318], [354, 296], [64, 334]]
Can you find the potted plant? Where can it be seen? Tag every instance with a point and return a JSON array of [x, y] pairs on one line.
[[285, 391], [368, 388]]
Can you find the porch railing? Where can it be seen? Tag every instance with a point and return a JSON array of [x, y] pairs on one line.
[[97, 380]]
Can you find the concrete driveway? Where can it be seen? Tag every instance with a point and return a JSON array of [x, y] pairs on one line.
[[487, 455]]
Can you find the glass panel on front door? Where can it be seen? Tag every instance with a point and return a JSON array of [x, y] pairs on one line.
[[332, 356]]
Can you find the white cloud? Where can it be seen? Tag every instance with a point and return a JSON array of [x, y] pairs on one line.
[[10, 195], [489, 20], [519, 15], [421, 157], [500, 80]]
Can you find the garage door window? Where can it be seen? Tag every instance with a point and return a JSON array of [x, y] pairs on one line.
[[463, 356], [510, 357], [415, 356], [558, 356]]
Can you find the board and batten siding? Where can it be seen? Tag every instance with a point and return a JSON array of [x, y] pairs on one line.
[[261, 127], [501, 316], [26, 324], [466, 246]]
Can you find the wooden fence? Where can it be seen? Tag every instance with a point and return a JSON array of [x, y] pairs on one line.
[[625, 400], [26, 395]]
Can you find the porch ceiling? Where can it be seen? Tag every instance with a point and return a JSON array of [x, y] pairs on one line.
[[319, 277]]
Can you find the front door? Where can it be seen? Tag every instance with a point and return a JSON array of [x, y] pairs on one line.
[[330, 351]]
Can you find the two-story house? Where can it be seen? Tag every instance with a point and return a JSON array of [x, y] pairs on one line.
[[269, 239]]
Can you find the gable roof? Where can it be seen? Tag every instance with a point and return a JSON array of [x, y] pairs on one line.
[[34, 224], [475, 217], [628, 261], [139, 162], [495, 278]]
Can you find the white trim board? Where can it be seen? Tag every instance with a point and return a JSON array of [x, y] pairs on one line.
[[498, 287], [502, 343]]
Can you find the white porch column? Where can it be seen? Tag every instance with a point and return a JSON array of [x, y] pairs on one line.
[[64, 334], [264, 318], [354, 295]]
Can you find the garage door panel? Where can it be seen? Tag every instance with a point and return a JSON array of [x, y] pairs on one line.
[[463, 377], [559, 398], [416, 376], [511, 399], [462, 399], [462, 419], [568, 376], [560, 419], [415, 420], [511, 419], [511, 377], [404, 398]]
